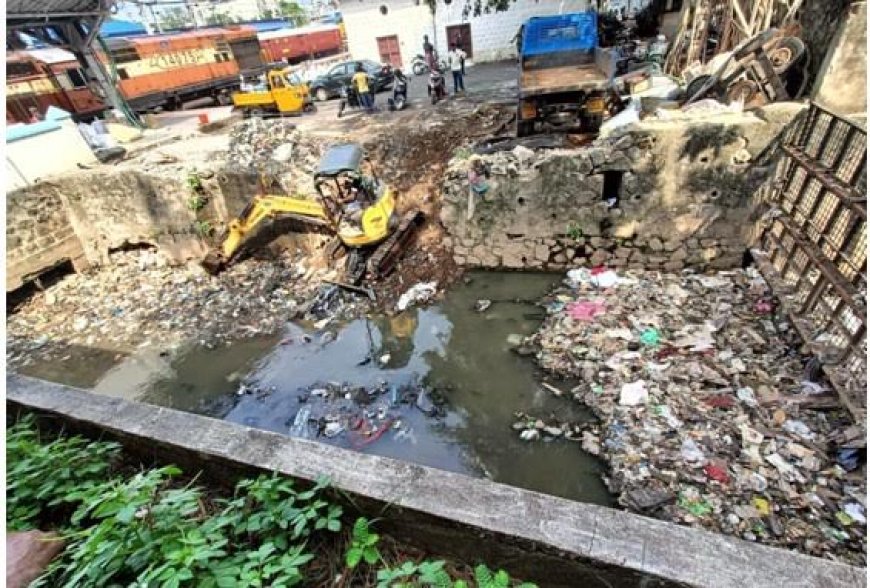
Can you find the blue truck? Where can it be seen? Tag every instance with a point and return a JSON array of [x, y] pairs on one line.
[[564, 76]]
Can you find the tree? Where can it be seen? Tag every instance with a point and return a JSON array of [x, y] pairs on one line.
[[293, 12], [476, 7], [173, 18], [218, 18]]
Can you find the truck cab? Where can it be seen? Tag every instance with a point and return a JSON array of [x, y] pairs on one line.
[[564, 75]]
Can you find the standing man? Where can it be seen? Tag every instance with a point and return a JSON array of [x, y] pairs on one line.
[[428, 52], [456, 57], [360, 82]]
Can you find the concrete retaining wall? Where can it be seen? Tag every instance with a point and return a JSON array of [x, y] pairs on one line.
[[552, 541], [682, 194]]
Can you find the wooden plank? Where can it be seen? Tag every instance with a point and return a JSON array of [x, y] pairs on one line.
[[561, 79]]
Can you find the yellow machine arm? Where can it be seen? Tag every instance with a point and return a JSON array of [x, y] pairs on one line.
[[258, 209]]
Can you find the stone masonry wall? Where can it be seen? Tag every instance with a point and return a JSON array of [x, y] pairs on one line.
[[39, 234], [683, 198]]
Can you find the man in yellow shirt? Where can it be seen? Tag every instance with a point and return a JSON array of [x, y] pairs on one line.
[[360, 82]]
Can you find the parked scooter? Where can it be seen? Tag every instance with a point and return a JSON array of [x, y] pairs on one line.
[[437, 87], [400, 91], [419, 65]]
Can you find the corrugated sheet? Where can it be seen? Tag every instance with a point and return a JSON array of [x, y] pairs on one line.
[[49, 8]]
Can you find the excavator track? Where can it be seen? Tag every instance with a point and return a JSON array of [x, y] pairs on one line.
[[388, 253]]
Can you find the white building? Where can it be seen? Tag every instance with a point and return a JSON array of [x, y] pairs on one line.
[[392, 30]]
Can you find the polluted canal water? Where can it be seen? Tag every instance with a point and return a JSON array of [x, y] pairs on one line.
[[356, 385]]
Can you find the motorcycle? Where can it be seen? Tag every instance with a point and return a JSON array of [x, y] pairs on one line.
[[437, 87], [349, 98], [419, 65], [400, 91]]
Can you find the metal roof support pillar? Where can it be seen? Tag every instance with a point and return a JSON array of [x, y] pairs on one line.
[[86, 55]]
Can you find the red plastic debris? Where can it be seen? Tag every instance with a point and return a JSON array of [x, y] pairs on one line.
[[720, 401], [598, 269], [666, 352], [715, 472], [585, 310], [763, 306]]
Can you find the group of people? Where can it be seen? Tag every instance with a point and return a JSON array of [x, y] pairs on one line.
[[455, 61]]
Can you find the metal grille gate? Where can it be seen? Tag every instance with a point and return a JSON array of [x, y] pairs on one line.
[[812, 244]]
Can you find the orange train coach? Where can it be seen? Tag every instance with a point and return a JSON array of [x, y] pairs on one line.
[[39, 78], [165, 70]]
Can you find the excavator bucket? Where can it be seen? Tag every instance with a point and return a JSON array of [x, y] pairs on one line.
[[213, 263]]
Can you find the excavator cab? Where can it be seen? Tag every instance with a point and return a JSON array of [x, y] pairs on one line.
[[360, 207]]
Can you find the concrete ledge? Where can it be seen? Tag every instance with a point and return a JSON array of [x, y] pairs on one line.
[[456, 514]]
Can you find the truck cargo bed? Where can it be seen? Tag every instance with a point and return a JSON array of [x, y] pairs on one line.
[[568, 78], [252, 98]]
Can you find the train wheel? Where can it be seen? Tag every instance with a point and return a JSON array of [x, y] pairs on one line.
[[321, 94]]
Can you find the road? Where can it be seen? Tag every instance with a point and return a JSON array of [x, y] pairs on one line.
[[487, 82]]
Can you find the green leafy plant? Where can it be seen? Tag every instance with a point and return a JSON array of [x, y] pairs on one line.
[[149, 530], [574, 231], [196, 202], [194, 182], [62, 473], [363, 545], [203, 228]]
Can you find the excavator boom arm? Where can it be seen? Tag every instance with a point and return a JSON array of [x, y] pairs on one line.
[[259, 209]]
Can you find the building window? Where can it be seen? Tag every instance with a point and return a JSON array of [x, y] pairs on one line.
[[77, 78], [19, 69], [125, 55], [384, 9]]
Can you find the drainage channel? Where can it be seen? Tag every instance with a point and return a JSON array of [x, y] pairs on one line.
[[459, 355]]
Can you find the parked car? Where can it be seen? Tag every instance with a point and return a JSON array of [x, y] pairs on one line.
[[329, 85]]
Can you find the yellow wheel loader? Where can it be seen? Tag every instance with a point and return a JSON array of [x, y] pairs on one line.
[[355, 206]]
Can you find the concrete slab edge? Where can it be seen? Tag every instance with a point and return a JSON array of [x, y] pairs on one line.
[[575, 530]]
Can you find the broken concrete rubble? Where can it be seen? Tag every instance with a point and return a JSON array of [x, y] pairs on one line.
[[704, 424]]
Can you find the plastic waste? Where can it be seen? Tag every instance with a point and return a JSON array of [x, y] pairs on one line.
[[665, 412], [421, 292], [799, 428], [690, 452], [716, 472], [585, 310], [747, 396], [856, 512], [848, 459], [300, 423], [633, 394], [650, 337]]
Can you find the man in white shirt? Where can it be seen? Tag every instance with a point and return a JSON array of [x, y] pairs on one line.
[[456, 57]]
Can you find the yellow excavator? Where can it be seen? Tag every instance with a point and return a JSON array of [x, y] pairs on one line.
[[355, 206]]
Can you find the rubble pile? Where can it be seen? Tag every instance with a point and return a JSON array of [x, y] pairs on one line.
[[275, 148], [710, 416], [139, 299]]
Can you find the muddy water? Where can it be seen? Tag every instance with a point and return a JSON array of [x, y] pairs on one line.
[[461, 353]]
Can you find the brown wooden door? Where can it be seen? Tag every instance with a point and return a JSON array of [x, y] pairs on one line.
[[460, 35], [388, 48]]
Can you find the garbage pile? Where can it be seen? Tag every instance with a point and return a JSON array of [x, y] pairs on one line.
[[139, 299], [270, 146], [357, 416], [710, 416]]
